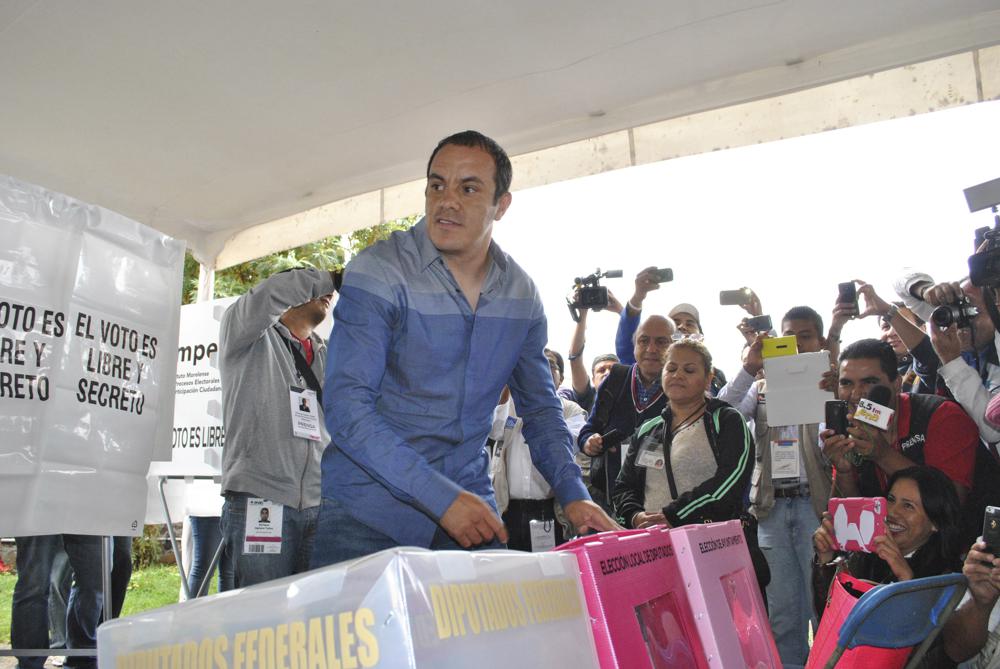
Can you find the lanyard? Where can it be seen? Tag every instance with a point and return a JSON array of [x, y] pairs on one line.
[[302, 367]]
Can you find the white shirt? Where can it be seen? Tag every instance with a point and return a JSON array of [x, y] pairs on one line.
[[523, 480]]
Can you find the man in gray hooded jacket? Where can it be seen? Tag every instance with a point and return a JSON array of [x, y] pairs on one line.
[[271, 363]]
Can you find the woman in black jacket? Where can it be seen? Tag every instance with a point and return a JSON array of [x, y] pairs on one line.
[[692, 463]]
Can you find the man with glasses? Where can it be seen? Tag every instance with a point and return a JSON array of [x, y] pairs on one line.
[[630, 395]]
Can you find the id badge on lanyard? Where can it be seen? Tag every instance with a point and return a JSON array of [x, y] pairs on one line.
[[305, 413]]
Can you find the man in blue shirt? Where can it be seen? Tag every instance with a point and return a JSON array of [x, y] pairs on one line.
[[430, 325]]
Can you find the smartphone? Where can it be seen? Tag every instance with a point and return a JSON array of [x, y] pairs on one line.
[[612, 439], [760, 323], [734, 297], [836, 416], [775, 347], [847, 293], [991, 529], [857, 522], [663, 275]]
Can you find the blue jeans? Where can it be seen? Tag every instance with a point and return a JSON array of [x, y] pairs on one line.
[[298, 531], [29, 609], [340, 536], [785, 537], [206, 533], [60, 582]]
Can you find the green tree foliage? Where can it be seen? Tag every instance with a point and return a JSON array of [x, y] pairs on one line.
[[327, 253]]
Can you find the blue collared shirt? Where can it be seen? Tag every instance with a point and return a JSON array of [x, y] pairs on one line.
[[412, 379]]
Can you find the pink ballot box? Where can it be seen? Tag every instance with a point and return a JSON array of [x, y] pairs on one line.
[[725, 598], [637, 601]]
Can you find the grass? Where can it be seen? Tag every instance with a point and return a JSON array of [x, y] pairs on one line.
[[7, 581], [149, 588]]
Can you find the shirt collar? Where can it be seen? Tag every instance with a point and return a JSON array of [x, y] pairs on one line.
[[428, 252]]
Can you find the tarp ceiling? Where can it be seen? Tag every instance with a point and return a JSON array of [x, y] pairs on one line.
[[205, 118]]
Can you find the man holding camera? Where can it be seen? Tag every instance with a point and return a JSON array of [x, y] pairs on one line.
[[431, 324], [970, 369], [583, 390], [790, 486]]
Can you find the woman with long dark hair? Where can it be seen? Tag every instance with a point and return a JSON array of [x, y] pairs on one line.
[[921, 539]]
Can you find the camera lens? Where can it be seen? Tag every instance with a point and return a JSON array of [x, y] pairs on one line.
[[944, 315]]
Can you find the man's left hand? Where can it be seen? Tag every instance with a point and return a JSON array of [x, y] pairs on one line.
[[587, 516], [868, 441]]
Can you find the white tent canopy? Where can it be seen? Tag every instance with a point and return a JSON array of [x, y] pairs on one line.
[[205, 119]]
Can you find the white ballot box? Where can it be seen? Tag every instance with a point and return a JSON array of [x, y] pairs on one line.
[[401, 608]]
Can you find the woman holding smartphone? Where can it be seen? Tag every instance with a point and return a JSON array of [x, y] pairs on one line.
[[921, 539]]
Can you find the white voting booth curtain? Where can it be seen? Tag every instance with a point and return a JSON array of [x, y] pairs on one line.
[[89, 307]]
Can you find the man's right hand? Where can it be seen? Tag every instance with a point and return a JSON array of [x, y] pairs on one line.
[[948, 292], [594, 445], [754, 361], [470, 521], [983, 576], [835, 448], [752, 306], [645, 281]]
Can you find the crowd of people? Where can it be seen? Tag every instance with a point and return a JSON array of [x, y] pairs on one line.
[[435, 416]]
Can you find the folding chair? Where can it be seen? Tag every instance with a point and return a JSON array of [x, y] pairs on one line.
[[901, 614]]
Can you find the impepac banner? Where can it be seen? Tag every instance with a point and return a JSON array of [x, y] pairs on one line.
[[89, 304], [404, 608], [198, 433], [198, 403]]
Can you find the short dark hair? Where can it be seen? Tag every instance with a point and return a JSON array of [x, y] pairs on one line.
[[502, 172], [805, 314], [940, 502], [559, 361], [873, 349]]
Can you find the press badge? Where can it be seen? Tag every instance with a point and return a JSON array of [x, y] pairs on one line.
[[785, 459], [543, 535], [262, 533], [305, 413], [650, 457]]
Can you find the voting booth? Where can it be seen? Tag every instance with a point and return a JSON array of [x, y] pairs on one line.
[[637, 599], [404, 607], [88, 342]]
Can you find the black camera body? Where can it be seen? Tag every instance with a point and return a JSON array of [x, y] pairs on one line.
[[959, 313], [589, 293], [984, 267], [591, 297]]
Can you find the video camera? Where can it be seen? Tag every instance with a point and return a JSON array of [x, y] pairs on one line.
[[984, 265], [588, 293]]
